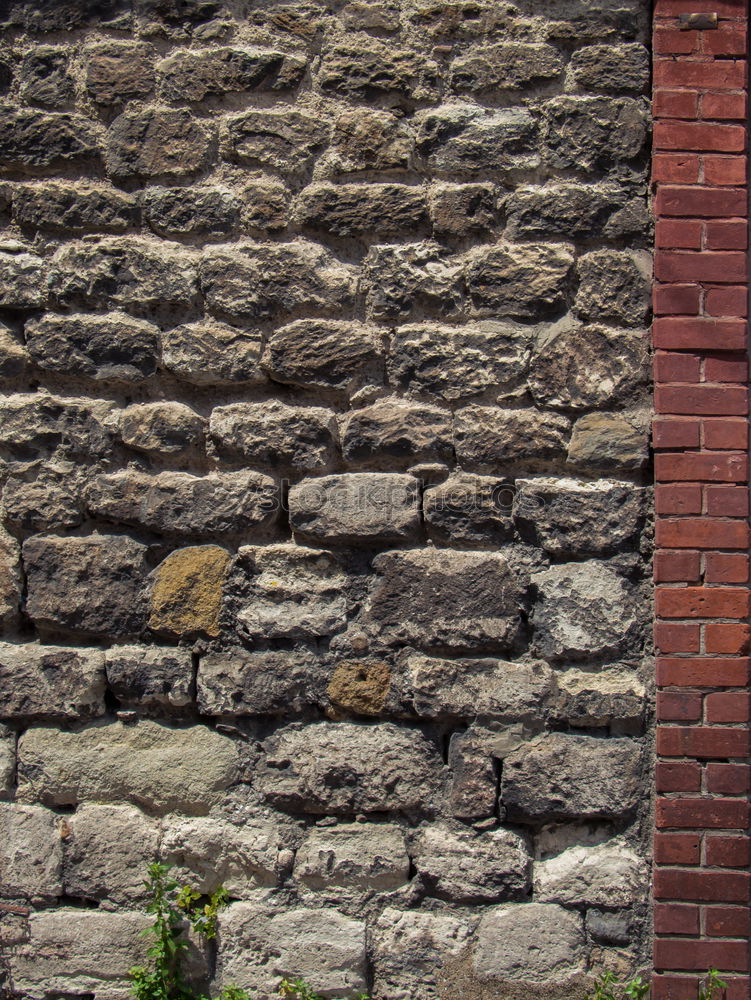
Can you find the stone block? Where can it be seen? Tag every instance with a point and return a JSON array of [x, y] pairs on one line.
[[195, 74], [464, 138], [610, 874], [186, 591], [398, 430], [615, 286], [614, 69], [50, 682], [36, 423], [504, 66], [45, 77], [275, 434], [161, 428], [360, 686], [84, 208], [570, 209], [462, 209], [353, 857], [51, 500], [370, 139], [31, 855], [211, 353], [611, 442], [469, 511], [360, 209], [592, 133], [537, 943], [204, 211], [23, 280], [363, 68], [150, 677], [285, 141], [116, 72], [35, 140], [10, 580], [487, 437], [13, 355], [159, 142], [325, 354], [473, 788], [260, 682], [612, 697], [7, 762], [408, 279], [527, 281], [265, 204]]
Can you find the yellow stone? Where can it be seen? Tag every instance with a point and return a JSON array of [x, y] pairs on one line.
[[186, 595], [360, 686]]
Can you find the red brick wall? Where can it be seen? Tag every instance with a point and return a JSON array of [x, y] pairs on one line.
[[701, 470]]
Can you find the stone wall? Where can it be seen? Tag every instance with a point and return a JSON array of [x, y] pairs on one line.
[[323, 438]]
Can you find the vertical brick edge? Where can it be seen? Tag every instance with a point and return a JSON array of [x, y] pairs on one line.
[[702, 890]]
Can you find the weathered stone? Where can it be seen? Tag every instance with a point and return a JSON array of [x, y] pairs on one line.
[[286, 591], [58, 15], [211, 353], [10, 580], [259, 683], [195, 74], [364, 68], [589, 133], [51, 500], [565, 777], [568, 517], [525, 282], [462, 866], [23, 280], [44, 76], [397, 429], [370, 139], [343, 768], [473, 789], [186, 591], [154, 142], [529, 943], [611, 874], [191, 211], [364, 508], [13, 355], [149, 677], [36, 139], [38, 422], [456, 363], [371, 16], [207, 852], [583, 610], [110, 347], [265, 204], [575, 20], [79, 951], [155, 767], [354, 209], [569, 209], [78, 209], [353, 857], [469, 139], [196, 16], [123, 271], [612, 697], [441, 598], [410, 949], [461, 209], [469, 510], [612, 68], [488, 437], [610, 928], [504, 66], [406, 278], [286, 141], [50, 682], [106, 852], [259, 945], [360, 686], [275, 434], [269, 279], [609, 441], [89, 585], [31, 854], [161, 428], [7, 762], [324, 354], [468, 688], [614, 286], [178, 502], [115, 72]]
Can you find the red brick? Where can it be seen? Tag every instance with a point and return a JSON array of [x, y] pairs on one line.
[[672, 366], [678, 43], [677, 776], [680, 499], [674, 918], [678, 706], [726, 921], [727, 706], [675, 104], [724, 169], [728, 433], [680, 953], [726, 567], [728, 40], [675, 168], [679, 234], [702, 399], [712, 203], [732, 640], [677, 848], [677, 567], [672, 8], [680, 300], [728, 852], [701, 533], [701, 741], [726, 501], [720, 887], [702, 602], [723, 107], [724, 267], [711, 467], [701, 814], [702, 671], [694, 73], [726, 235], [675, 333], [727, 779], [674, 638], [686, 987], [699, 136], [672, 434], [726, 368]]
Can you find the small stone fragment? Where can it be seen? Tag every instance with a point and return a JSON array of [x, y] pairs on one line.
[[487, 437], [30, 853], [150, 676], [161, 428], [398, 429], [473, 790], [50, 682], [353, 856], [211, 353], [186, 591]]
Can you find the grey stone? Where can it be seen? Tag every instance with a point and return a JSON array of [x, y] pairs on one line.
[[487, 437], [274, 434], [33, 139], [473, 789], [88, 208], [13, 355], [44, 76], [181, 503], [371, 16], [611, 68], [208, 211], [195, 74], [51, 500], [614, 286], [441, 598], [159, 142], [91, 585], [113, 347], [522, 281], [150, 677], [396, 429], [569, 209], [23, 280], [115, 72], [529, 943], [468, 688], [212, 353], [344, 769], [589, 133], [161, 428], [31, 854], [286, 141], [370, 139], [106, 852], [612, 697], [325, 354], [462, 209], [357, 209], [353, 857], [462, 866], [264, 204], [156, 767], [10, 580], [31, 423], [577, 20], [405, 279], [469, 510], [580, 367], [465, 138], [365, 508], [610, 928], [612, 442], [610, 874], [504, 66], [566, 777], [7, 762], [286, 591], [584, 609], [259, 683], [568, 517], [363, 68], [50, 682]]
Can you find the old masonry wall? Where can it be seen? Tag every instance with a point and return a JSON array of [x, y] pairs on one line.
[[325, 567]]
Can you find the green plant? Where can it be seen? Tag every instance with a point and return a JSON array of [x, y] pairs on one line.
[[711, 985], [298, 989], [607, 987]]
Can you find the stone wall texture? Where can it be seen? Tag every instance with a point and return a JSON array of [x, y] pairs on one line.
[[324, 567]]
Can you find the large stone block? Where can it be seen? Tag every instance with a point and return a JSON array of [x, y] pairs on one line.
[[469, 511], [261, 682], [571, 778], [31, 855], [610, 874], [488, 437], [211, 353], [363, 68], [614, 697], [153, 766], [44, 76], [325, 354], [161, 428], [33, 139], [412, 278], [504, 66], [23, 280], [159, 142], [464, 138], [50, 501], [344, 768], [91, 585], [150, 677], [462, 209], [570, 209], [265, 204], [34, 423], [50, 682], [591, 133], [186, 591], [364, 508], [205, 211], [537, 943], [358, 209], [525, 282], [115, 72], [195, 74], [398, 430], [275, 434], [359, 857], [611, 68], [285, 141], [370, 139], [85, 208]]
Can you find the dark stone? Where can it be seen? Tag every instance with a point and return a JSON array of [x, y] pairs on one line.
[[286, 141], [45, 78], [525, 282], [117, 71], [466, 138], [38, 422], [363, 67], [354, 209], [403, 279], [189, 211], [195, 75], [76, 209], [591, 133], [396, 429], [40, 139], [470, 510], [159, 141]]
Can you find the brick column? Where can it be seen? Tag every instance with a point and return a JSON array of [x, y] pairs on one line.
[[701, 883]]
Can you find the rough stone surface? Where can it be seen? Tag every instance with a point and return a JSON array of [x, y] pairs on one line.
[[186, 591], [611, 442], [35, 423], [210, 353], [77, 209], [614, 287], [614, 697], [23, 280], [569, 209], [148, 677], [286, 141], [158, 142], [360, 686], [193, 76], [611, 874], [192, 211], [353, 856], [114, 72], [411, 947], [505, 66], [609, 68], [31, 856], [161, 428], [396, 429], [10, 580], [275, 434], [35, 140], [404, 280], [529, 942], [465, 138], [523, 282], [240, 683], [469, 511], [486, 437], [324, 354], [47, 682], [461, 209], [587, 133], [353, 209]]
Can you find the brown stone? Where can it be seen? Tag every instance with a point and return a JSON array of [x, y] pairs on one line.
[[186, 593], [360, 686]]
